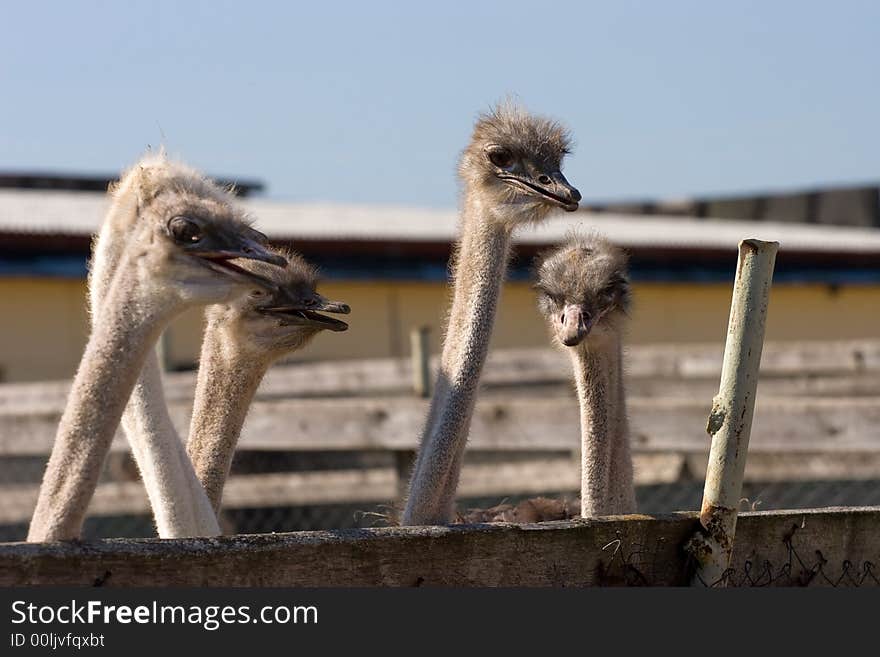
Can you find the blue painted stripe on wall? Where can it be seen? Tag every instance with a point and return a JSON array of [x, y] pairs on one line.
[[366, 269]]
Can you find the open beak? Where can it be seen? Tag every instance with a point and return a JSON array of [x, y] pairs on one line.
[[249, 249], [309, 314], [555, 188], [573, 325]]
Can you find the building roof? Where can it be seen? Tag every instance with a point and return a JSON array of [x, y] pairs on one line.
[[47, 180], [61, 214], [848, 205]]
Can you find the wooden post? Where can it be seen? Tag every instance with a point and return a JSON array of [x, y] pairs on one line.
[[163, 350], [730, 421], [421, 361], [404, 460]]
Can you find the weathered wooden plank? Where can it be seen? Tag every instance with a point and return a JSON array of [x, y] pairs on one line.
[[832, 546], [504, 367], [856, 384], [264, 490], [784, 466], [502, 423], [50, 402]]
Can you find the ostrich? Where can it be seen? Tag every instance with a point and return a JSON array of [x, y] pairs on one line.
[[242, 339], [511, 177], [166, 244], [583, 292], [157, 449]]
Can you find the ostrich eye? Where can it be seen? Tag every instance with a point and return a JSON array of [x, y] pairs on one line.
[[500, 157], [609, 293], [618, 285], [616, 291], [550, 298], [184, 230]]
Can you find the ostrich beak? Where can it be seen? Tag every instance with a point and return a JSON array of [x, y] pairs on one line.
[[308, 313], [561, 189], [220, 260], [551, 187], [246, 248], [573, 325]]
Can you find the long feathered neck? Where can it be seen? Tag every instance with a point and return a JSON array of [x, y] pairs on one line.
[[227, 382], [180, 507], [131, 320], [606, 463], [478, 274]]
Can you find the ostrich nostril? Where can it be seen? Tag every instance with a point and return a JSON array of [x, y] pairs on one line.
[[247, 249], [544, 179], [562, 318]]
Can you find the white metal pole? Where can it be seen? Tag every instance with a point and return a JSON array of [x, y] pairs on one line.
[[730, 422]]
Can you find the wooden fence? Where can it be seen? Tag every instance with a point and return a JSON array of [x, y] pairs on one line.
[[829, 547], [818, 417]]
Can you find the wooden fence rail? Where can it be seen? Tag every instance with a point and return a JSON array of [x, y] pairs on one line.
[[500, 424], [688, 362], [828, 547]]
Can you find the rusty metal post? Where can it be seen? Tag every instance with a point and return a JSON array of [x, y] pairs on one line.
[[421, 360], [730, 421]]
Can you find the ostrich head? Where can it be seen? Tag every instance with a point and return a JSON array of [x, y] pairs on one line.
[[273, 322], [187, 232], [514, 162], [583, 289]]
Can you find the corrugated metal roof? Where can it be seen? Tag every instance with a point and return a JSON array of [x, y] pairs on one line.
[[842, 205], [80, 213], [52, 180]]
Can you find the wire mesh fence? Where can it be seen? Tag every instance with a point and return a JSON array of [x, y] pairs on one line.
[[800, 564], [654, 499]]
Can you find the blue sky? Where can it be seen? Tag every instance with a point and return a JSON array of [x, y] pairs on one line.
[[372, 101]]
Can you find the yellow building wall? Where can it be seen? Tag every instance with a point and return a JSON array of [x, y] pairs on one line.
[[44, 325], [43, 328]]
